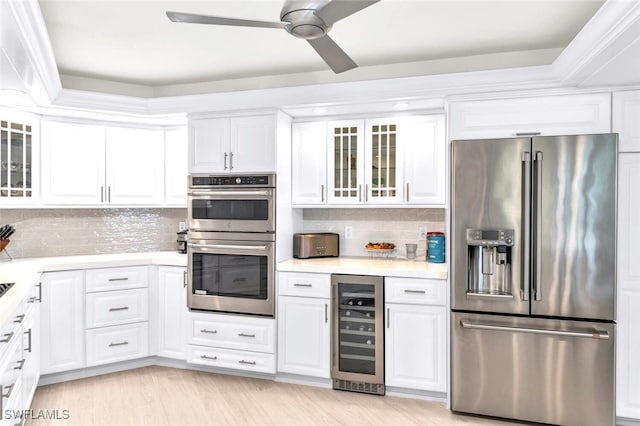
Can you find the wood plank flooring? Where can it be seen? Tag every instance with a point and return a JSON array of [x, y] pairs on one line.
[[158, 396]]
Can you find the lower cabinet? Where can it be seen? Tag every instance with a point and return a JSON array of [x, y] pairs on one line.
[[304, 324], [232, 341], [172, 312], [304, 336], [415, 334], [62, 321]]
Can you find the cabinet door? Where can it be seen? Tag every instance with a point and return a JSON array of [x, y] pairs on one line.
[[626, 120], [345, 162], [73, 158], [19, 177], [135, 166], [172, 312], [208, 144], [415, 347], [628, 339], [252, 144], [304, 342], [425, 164], [62, 322], [176, 151], [309, 163], [31, 347], [383, 162], [544, 115]]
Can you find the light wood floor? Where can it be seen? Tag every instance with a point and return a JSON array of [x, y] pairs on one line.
[[166, 396]]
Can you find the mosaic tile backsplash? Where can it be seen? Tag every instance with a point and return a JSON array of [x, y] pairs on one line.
[[398, 226], [66, 232]]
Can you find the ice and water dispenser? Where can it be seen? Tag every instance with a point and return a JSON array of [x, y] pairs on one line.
[[489, 262]]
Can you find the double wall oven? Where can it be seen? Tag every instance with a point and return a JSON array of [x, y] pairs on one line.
[[231, 248]]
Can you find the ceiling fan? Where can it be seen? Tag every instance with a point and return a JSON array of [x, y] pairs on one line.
[[310, 20]]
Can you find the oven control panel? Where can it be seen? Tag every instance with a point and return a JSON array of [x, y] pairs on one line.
[[231, 180]]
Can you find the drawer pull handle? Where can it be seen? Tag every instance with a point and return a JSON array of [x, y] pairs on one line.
[[123, 308], [302, 285], [118, 344], [204, 330], [416, 291], [31, 300], [30, 347], [8, 337], [118, 279], [20, 364], [19, 319], [212, 358], [246, 335], [9, 390], [242, 361]]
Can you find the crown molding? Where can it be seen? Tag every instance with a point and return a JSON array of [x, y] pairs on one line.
[[26, 43]]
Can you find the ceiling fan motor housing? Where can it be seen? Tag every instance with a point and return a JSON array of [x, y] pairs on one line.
[[302, 20]]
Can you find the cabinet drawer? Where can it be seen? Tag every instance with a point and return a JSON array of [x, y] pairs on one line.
[[304, 284], [227, 358], [117, 307], [233, 332], [116, 278], [118, 343], [416, 291]]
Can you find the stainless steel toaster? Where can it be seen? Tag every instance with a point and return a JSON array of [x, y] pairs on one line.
[[317, 244]]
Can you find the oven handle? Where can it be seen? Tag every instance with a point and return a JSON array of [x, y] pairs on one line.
[[227, 246], [264, 193]]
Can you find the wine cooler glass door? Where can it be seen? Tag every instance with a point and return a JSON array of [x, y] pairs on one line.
[[358, 328]]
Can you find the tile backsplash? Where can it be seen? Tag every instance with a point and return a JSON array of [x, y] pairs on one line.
[[65, 232], [398, 226]]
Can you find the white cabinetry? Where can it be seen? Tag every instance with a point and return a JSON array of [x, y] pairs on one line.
[[626, 120], [172, 312], [232, 144], [628, 339], [117, 314], [415, 338], [386, 162], [309, 163], [231, 341], [62, 321], [304, 324], [86, 164], [176, 150], [544, 115]]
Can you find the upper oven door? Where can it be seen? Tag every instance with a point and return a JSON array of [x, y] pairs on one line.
[[233, 210], [231, 276]]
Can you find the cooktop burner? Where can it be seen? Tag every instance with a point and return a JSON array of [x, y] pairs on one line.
[[4, 287]]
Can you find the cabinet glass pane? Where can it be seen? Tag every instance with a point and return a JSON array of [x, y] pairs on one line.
[[345, 145], [383, 164], [357, 328], [15, 160]]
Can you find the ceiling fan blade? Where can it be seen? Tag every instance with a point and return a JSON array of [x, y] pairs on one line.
[[192, 18], [335, 10], [332, 54]]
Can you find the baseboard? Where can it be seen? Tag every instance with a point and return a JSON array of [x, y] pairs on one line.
[[303, 380], [624, 421], [416, 394], [99, 370]]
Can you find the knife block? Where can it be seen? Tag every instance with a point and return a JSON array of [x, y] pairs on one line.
[[3, 246]]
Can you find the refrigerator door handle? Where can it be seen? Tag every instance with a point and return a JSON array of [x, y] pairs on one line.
[[537, 281], [526, 226], [595, 334]]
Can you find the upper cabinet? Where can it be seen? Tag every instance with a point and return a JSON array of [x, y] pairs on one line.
[[18, 152], [232, 144], [544, 115], [176, 158], [626, 120], [387, 161], [93, 165]]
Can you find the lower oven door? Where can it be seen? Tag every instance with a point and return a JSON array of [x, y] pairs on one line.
[[231, 275]]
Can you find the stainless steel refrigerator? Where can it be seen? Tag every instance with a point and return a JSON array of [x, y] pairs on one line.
[[533, 278]]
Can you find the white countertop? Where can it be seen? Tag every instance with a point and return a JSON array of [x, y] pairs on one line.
[[26, 272], [367, 266]]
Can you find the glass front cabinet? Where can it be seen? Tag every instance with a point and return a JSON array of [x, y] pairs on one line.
[[18, 134], [363, 162]]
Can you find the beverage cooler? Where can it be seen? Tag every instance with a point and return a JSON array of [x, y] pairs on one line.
[[357, 362]]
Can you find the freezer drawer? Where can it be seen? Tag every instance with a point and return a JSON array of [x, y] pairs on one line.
[[533, 369]]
